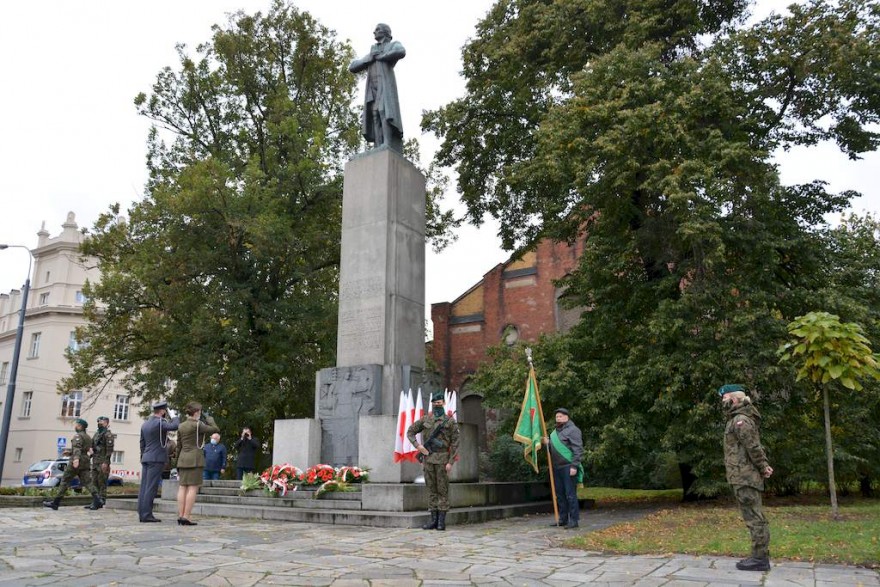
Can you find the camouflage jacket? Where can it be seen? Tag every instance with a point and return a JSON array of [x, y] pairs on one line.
[[79, 449], [102, 446], [744, 457], [446, 441]]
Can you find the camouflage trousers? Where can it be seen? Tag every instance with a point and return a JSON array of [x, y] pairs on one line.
[[437, 482], [99, 477], [749, 500], [85, 480]]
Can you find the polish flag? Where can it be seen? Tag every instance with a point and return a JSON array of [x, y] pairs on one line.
[[409, 451], [452, 405], [417, 415], [399, 439]]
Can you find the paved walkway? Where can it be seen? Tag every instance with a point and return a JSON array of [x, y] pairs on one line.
[[74, 546]]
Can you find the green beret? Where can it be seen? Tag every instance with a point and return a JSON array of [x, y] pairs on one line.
[[104, 418], [438, 397], [81, 422], [730, 388]]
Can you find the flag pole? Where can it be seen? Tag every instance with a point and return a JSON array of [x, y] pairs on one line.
[[543, 435]]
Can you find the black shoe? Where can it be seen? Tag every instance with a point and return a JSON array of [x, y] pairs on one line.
[[150, 519], [571, 525], [441, 521], [556, 525], [51, 503], [754, 564], [97, 503], [432, 525], [185, 522]]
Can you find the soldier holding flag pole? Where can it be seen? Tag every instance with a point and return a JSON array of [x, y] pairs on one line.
[[530, 428]]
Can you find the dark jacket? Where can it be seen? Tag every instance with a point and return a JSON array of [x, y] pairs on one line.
[[570, 435], [247, 452], [154, 439], [744, 457], [215, 456]]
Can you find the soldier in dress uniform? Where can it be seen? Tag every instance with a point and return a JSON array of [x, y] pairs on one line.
[[102, 449], [440, 434], [747, 467], [154, 457], [77, 466]]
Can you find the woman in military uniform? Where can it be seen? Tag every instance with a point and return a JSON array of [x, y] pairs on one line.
[[190, 459], [440, 433]]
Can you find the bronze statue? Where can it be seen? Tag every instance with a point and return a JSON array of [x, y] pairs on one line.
[[381, 124]]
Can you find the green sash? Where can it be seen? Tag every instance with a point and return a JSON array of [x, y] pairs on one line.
[[566, 453]]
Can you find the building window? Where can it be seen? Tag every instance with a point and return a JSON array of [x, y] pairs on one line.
[[117, 458], [71, 404], [35, 345], [44, 298], [80, 298], [26, 399], [4, 368], [120, 408], [18, 453]]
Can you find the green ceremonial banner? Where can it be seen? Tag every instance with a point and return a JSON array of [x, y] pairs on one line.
[[530, 426]]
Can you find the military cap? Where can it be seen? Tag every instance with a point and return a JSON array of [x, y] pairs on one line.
[[561, 411], [730, 388], [81, 422], [104, 418], [438, 396], [160, 405]]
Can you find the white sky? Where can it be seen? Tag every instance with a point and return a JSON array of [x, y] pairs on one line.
[[70, 139]]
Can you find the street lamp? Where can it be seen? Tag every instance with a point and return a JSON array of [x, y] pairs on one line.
[[13, 372]]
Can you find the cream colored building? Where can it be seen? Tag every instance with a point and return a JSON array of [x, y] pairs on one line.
[[42, 418]]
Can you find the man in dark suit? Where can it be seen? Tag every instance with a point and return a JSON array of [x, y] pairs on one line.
[[154, 456]]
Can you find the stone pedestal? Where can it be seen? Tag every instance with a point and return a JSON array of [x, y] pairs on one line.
[[298, 442], [382, 271]]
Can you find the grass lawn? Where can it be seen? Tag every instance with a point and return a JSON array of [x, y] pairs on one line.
[[800, 528]]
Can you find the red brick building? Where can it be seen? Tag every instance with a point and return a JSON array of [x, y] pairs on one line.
[[515, 301]]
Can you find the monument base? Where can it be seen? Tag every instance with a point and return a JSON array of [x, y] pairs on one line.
[[298, 442]]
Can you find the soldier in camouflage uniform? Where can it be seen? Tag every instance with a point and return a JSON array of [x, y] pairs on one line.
[[102, 449], [440, 435], [747, 467], [78, 466]]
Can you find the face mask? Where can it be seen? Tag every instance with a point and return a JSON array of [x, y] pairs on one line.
[[438, 411], [101, 428], [213, 441]]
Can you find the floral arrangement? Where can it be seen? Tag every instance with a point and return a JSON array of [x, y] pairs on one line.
[[279, 479]]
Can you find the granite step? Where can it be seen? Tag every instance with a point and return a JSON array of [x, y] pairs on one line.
[[291, 502], [166, 509]]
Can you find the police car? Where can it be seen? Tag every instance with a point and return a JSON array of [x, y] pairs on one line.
[[48, 472]]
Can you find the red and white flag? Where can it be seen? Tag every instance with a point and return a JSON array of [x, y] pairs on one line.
[[452, 405], [419, 413], [409, 450], [400, 437]]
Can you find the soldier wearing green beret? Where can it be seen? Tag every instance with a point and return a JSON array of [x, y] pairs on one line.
[[78, 466], [747, 467], [102, 450], [440, 434]]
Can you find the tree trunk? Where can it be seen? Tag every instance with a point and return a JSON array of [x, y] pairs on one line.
[[687, 481], [830, 453]]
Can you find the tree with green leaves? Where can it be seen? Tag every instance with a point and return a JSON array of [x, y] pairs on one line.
[[650, 125], [220, 285], [827, 350]]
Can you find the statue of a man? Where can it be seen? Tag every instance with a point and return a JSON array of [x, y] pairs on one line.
[[381, 124]]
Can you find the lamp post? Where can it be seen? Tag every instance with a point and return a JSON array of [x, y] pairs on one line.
[[13, 370]]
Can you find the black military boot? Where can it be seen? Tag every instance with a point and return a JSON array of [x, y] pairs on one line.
[[441, 521], [754, 564], [97, 502], [52, 503], [432, 525]]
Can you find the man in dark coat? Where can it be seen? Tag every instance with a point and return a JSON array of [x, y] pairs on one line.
[[247, 447], [440, 435], [566, 449], [154, 456], [747, 467], [77, 466], [381, 123]]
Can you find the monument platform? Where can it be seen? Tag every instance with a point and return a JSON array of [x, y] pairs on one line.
[[388, 505]]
